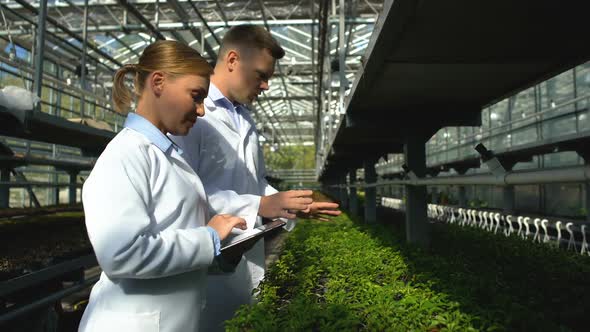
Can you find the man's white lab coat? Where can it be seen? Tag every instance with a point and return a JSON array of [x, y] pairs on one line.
[[230, 163], [145, 211]]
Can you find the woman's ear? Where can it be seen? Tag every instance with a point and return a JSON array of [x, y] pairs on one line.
[[156, 82]]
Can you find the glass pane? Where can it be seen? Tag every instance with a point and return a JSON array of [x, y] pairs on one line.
[[556, 91], [583, 121], [560, 126], [523, 106], [524, 136], [527, 198], [563, 200], [560, 159], [583, 84]]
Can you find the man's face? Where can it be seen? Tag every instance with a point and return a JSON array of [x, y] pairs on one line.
[[253, 71]]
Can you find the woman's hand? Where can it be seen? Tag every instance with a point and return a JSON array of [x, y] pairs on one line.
[[223, 224]]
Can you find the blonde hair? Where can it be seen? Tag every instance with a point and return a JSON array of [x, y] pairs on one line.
[[171, 57]]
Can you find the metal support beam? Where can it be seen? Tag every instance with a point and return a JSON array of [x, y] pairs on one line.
[[40, 48], [417, 226], [131, 9], [51, 36], [280, 69], [69, 32], [353, 198], [4, 188], [370, 193], [574, 174], [585, 154], [202, 18], [174, 26], [83, 61], [322, 32], [186, 19], [272, 123], [73, 187], [222, 13], [341, 58], [310, 98], [97, 25]]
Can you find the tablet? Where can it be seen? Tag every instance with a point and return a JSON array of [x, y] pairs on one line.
[[248, 238]]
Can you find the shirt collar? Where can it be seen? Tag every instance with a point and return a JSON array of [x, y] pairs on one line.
[[218, 98], [141, 125]]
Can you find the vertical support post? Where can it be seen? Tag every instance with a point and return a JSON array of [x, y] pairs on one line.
[[462, 196], [342, 57], [586, 156], [55, 190], [83, 61], [353, 198], [72, 188], [509, 194], [509, 199], [313, 76], [336, 189], [435, 195], [370, 193], [58, 93], [40, 48], [4, 188], [417, 225], [343, 191]]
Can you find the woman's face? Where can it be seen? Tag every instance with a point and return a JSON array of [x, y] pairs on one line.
[[181, 102]]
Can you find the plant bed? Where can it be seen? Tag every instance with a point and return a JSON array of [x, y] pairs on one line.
[[346, 276], [36, 242], [34, 211]]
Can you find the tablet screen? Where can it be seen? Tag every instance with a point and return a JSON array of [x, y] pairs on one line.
[[253, 235]]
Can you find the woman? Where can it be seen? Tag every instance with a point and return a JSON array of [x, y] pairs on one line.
[[145, 207]]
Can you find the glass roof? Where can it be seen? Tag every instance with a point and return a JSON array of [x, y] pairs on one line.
[[118, 31]]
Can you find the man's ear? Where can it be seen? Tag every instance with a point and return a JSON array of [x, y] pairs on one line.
[[156, 82], [232, 59]]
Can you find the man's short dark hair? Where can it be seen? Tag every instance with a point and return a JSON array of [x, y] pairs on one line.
[[243, 37]]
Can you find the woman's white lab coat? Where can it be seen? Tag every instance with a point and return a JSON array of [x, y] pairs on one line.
[[145, 209]]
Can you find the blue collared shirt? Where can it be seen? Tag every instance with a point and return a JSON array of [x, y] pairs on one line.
[[219, 99], [143, 126]]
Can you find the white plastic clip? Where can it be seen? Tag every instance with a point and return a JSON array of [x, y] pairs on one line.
[[537, 237], [572, 241]]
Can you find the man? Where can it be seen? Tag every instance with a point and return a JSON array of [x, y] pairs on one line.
[[223, 149]]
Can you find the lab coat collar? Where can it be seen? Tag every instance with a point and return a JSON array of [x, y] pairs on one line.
[[211, 110], [215, 99], [218, 98], [143, 126]]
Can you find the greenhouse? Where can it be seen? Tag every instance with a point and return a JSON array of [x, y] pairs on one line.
[[307, 165]]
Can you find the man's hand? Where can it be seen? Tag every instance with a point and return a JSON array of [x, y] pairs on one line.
[[223, 224], [285, 204], [321, 211]]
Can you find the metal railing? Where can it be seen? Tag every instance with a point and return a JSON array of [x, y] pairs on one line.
[[487, 135], [55, 85]]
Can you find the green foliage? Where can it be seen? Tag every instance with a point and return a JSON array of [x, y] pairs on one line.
[[290, 157], [343, 276]]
